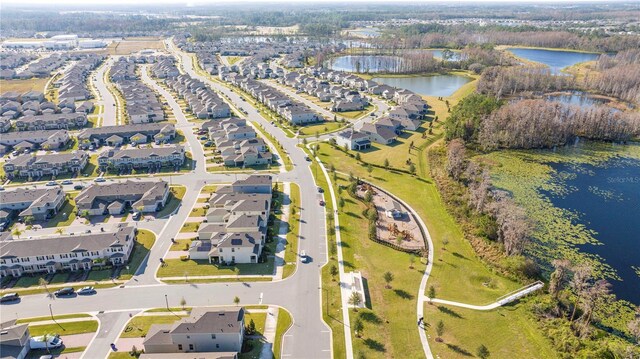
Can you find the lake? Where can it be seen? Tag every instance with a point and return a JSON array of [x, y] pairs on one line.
[[365, 63], [577, 98], [556, 60], [438, 85], [606, 199]]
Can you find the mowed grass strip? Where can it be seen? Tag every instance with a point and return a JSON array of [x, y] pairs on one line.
[[194, 268], [65, 328]]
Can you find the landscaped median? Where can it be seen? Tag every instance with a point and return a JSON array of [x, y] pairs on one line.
[[75, 330], [293, 228]]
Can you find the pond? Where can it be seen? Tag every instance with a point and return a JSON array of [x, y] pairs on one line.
[[365, 63], [606, 200], [556, 60], [438, 85], [577, 98]]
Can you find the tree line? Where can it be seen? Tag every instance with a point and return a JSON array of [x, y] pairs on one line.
[[509, 81], [544, 124], [618, 75]]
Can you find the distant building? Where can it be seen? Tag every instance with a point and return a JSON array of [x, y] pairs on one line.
[[115, 198]]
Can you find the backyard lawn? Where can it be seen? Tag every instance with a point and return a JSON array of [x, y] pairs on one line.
[[190, 227], [139, 326]]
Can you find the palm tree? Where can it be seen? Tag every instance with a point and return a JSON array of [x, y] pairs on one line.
[[60, 231], [355, 300], [388, 278], [17, 232], [358, 327], [236, 300]]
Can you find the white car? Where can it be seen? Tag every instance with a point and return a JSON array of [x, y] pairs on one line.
[[99, 179], [39, 343], [303, 256]]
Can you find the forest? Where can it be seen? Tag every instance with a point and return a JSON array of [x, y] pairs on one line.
[[540, 123], [509, 81], [617, 75]]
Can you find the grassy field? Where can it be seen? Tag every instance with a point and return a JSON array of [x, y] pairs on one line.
[[66, 328], [291, 250], [126, 47], [22, 86], [517, 337], [178, 268]]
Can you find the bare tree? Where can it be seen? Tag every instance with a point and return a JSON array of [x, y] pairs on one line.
[[456, 163], [559, 277]]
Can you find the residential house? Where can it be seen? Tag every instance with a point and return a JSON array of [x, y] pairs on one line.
[[353, 140], [28, 165], [382, 134], [39, 203], [158, 132], [115, 198], [152, 158], [205, 330], [66, 252], [14, 339]]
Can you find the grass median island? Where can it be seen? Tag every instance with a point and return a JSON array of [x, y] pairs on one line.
[[284, 323], [64, 328], [195, 268], [291, 250]]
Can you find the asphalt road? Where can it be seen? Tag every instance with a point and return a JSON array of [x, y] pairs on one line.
[[300, 294], [107, 99]]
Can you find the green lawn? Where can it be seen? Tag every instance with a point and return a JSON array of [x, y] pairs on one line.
[[196, 280], [517, 337], [355, 114], [320, 128], [139, 326], [198, 212], [68, 328], [210, 188], [178, 268], [65, 216], [176, 193], [144, 241], [62, 316], [58, 352], [190, 227], [180, 245], [259, 320], [284, 323]]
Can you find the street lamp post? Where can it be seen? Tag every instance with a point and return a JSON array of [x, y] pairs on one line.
[[166, 300], [51, 311]]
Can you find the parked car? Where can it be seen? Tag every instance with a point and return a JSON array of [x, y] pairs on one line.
[[39, 342], [208, 143], [66, 182], [78, 187], [136, 216], [52, 183], [203, 138], [9, 297], [320, 190], [99, 179], [303, 256], [86, 290], [1, 188], [64, 292], [307, 158], [322, 203]]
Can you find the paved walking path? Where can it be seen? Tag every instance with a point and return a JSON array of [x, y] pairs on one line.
[[269, 333], [505, 300]]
